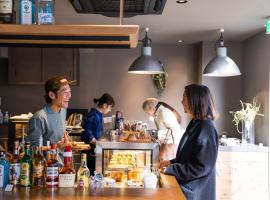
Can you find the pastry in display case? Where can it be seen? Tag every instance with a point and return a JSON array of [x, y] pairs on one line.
[[124, 164]]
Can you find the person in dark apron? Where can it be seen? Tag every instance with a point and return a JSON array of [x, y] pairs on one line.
[[93, 127]]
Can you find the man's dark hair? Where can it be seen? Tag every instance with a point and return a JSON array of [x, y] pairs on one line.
[[53, 85], [200, 101]]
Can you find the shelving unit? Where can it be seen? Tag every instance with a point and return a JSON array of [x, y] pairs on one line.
[[73, 36]]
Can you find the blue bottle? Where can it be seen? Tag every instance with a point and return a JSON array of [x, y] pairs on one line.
[[26, 11], [46, 12], [4, 170]]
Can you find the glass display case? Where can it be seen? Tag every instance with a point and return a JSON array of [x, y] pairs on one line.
[[125, 163]]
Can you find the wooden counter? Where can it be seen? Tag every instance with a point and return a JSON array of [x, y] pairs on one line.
[[170, 190]]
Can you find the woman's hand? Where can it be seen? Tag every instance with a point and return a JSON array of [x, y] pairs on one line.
[[93, 141], [163, 164]]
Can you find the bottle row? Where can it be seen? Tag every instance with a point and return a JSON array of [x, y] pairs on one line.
[[42, 168], [27, 11]]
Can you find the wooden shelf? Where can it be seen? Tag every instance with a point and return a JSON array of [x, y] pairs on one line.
[[81, 36]]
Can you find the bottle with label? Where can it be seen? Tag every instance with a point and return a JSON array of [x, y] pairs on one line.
[[6, 118], [6, 11], [4, 170], [26, 167], [67, 173], [46, 12], [52, 168], [38, 167], [27, 11], [22, 143], [15, 165], [1, 117], [83, 174], [119, 121]]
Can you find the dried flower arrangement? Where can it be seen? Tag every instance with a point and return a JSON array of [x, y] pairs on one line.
[[247, 113]]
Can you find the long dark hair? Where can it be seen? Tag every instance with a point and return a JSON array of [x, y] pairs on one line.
[[104, 99], [177, 115], [200, 102]]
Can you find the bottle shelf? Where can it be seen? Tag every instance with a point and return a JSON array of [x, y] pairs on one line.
[[73, 36]]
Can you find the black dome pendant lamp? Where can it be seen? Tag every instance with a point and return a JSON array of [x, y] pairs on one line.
[[146, 64]]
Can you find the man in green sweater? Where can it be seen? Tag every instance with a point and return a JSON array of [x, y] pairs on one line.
[[48, 124]]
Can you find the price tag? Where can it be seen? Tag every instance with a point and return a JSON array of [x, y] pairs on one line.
[[9, 188]]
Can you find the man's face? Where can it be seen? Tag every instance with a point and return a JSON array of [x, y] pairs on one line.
[[62, 96], [150, 111]]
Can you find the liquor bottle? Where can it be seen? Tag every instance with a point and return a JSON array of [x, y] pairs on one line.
[[26, 167], [1, 117], [6, 118], [26, 11], [15, 165], [67, 173], [119, 121], [4, 170], [6, 11], [38, 168], [52, 168], [83, 174], [46, 12]]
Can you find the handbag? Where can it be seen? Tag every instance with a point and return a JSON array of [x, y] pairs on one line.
[[167, 151]]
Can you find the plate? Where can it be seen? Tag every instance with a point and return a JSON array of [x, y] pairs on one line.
[[73, 127]]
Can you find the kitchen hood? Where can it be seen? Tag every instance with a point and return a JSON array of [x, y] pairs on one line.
[[71, 36], [110, 8]]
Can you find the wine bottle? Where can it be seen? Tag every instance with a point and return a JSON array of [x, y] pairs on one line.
[[52, 168], [26, 167], [83, 174], [15, 166], [67, 172]]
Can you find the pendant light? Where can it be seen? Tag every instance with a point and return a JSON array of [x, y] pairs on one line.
[[221, 65], [146, 64]]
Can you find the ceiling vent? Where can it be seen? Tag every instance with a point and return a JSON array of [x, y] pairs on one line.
[[110, 8]]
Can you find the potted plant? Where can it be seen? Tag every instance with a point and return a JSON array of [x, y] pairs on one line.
[[159, 81], [246, 116]]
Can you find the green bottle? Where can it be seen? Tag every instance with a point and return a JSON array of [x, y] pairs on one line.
[[26, 167]]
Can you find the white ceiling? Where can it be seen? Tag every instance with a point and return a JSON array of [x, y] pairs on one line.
[[198, 20]]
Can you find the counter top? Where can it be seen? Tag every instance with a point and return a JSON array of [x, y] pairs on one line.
[[170, 190], [246, 148]]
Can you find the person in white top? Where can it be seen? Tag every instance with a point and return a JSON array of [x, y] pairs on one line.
[[167, 121]]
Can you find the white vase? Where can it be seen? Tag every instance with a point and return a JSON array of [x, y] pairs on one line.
[[247, 132]]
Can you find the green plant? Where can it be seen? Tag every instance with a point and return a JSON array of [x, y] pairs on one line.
[[159, 81], [247, 113]]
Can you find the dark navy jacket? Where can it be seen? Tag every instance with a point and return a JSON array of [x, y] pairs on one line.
[[92, 125], [194, 165]]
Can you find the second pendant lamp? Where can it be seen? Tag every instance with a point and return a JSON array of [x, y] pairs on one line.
[[221, 65], [146, 64]]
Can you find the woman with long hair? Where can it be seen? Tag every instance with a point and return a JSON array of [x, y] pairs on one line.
[[167, 121], [194, 164]]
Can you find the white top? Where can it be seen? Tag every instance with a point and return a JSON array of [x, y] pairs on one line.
[[165, 119]]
